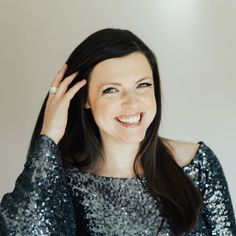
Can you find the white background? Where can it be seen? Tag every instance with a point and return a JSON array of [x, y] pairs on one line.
[[195, 44]]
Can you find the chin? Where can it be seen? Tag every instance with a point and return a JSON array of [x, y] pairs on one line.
[[132, 139]]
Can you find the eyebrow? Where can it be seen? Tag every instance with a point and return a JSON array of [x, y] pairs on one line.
[[118, 84]]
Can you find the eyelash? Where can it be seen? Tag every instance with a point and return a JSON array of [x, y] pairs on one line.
[[109, 89]]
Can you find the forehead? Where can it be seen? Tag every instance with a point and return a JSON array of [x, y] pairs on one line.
[[133, 66]]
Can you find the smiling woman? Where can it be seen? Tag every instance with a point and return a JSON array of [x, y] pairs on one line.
[[117, 108], [96, 164]]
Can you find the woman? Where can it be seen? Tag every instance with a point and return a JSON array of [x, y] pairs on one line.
[[96, 164]]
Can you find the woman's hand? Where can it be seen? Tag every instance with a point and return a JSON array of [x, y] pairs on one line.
[[56, 111]]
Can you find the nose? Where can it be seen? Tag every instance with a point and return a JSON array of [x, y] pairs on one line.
[[130, 101]]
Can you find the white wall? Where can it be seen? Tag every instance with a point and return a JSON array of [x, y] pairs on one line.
[[194, 41]]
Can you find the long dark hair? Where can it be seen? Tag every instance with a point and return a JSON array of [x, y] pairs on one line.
[[179, 200]]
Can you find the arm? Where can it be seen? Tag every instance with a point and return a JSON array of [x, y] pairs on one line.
[[40, 203], [218, 211]]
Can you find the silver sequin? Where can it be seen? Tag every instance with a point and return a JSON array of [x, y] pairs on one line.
[[50, 200]]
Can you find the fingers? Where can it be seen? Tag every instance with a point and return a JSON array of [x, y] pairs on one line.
[[62, 86], [73, 90], [56, 81], [59, 76]]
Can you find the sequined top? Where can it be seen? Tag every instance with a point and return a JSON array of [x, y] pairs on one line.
[[51, 200]]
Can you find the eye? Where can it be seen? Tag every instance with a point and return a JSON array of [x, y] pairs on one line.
[[108, 90], [112, 90], [144, 85]]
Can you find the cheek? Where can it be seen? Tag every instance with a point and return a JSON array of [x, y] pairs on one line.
[[150, 105], [150, 101], [103, 110]]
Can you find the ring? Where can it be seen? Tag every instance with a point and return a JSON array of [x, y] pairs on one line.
[[53, 90]]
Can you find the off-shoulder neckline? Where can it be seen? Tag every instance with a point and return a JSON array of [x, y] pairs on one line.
[[141, 177], [196, 155]]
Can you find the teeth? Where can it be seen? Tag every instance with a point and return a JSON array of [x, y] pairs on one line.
[[131, 120]]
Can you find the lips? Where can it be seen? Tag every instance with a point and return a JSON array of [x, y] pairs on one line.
[[130, 125], [124, 117], [134, 122]]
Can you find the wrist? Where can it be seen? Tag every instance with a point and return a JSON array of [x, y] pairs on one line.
[[51, 136]]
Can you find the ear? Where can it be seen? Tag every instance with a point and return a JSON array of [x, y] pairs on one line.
[[86, 105]]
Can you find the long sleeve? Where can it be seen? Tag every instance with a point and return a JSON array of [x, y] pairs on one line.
[[218, 211], [40, 203]]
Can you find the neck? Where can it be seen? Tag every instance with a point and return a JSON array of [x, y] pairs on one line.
[[118, 159]]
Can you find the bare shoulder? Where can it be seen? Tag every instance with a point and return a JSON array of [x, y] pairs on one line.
[[183, 151]]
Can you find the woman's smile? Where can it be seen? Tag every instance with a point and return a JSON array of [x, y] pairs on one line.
[[130, 121]]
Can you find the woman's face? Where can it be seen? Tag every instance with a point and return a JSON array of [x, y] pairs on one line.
[[121, 97]]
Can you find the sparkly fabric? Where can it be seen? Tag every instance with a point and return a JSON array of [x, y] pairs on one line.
[[40, 203], [48, 200]]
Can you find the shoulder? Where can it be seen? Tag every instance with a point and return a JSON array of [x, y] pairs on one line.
[[183, 151]]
